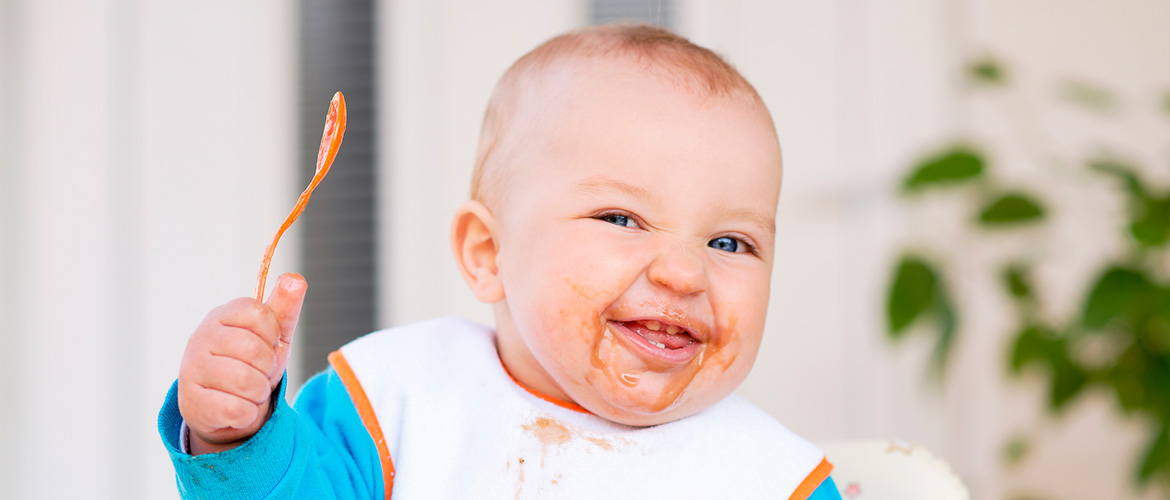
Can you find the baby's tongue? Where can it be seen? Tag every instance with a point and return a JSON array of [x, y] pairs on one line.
[[675, 341]]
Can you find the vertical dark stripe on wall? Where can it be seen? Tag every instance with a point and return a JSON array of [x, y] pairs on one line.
[[337, 42], [657, 12]]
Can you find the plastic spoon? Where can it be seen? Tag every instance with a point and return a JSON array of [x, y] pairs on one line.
[[330, 143]]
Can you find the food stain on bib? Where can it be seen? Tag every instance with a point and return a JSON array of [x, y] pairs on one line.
[[549, 431], [552, 432], [520, 482], [604, 444]]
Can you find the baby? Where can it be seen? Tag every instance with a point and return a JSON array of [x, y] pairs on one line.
[[621, 225]]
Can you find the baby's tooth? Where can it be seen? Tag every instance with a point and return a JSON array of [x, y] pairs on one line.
[[671, 329], [660, 345], [653, 325]]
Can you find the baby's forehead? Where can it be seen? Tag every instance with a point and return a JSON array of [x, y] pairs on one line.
[[598, 107], [565, 80], [536, 92], [570, 101]]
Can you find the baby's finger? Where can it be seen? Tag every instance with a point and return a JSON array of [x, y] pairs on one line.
[[250, 315], [234, 377], [217, 410], [237, 343], [286, 301]]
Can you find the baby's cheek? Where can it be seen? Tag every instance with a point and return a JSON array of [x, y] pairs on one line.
[[730, 366], [575, 315], [567, 324]]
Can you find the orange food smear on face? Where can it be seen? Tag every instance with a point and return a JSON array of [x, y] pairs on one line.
[[673, 393], [330, 144]]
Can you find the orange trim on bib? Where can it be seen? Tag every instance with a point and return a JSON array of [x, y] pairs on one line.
[[812, 481], [563, 404], [366, 411]]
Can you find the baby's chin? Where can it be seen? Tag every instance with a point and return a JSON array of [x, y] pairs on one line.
[[643, 406], [643, 420]]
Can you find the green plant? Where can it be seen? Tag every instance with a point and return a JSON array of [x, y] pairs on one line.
[[1117, 341]]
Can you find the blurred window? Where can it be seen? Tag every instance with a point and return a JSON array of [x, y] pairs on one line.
[[658, 12], [337, 54]]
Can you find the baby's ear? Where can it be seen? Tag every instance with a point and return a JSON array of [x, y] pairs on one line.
[[473, 241]]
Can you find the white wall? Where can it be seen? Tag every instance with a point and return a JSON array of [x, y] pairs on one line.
[[148, 159]]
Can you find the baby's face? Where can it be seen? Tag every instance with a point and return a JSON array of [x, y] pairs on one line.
[[635, 242]]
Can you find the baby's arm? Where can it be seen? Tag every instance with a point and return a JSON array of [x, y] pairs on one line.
[[318, 450], [826, 491], [243, 439]]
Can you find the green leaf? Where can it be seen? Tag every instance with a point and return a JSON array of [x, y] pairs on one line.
[[946, 329], [1156, 460], [912, 292], [1034, 344], [1127, 174], [1151, 215], [955, 165], [1157, 335], [1012, 208], [1015, 279], [1126, 378], [1089, 96], [1113, 295], [1155, 380], [987, 70], [1151, 228], [917, 291], [1068, 378]]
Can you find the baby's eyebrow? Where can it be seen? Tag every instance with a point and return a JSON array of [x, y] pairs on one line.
[[766, 222], [600, 184]]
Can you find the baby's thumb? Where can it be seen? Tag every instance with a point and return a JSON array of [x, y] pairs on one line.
[[286, 301]]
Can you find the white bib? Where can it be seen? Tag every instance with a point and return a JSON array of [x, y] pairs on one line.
[[449, 422]]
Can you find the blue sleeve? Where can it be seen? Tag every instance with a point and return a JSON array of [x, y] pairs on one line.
[[826, 491], [317, 448]]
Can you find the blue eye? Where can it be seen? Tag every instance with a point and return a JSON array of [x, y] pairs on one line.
[[725, 243], [618, 220]]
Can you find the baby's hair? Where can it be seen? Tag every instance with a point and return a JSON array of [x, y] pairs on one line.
[[693, 69]]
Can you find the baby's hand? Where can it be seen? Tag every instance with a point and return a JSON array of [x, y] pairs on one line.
[[233, 362]]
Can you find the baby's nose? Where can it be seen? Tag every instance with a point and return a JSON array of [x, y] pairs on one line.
[[680, 269]]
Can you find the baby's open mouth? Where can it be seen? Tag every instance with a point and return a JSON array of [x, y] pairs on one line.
[[663, 336]]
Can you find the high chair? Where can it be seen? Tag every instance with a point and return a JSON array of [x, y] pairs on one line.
[[891, 470]]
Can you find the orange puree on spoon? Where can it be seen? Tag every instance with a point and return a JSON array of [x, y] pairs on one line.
[[330, 143]]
